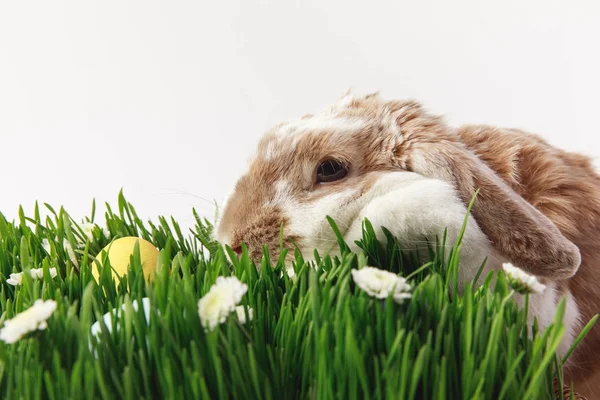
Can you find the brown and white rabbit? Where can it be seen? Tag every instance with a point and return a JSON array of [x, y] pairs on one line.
[[407, 170]]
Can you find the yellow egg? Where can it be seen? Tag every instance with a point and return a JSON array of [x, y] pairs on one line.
[[119, 253]]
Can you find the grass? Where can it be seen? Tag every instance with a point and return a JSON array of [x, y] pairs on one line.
[[318, 336]]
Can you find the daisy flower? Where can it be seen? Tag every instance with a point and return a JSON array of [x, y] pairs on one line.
[[88, 229], [381, 284], [30, 320], [46, 246], [69, 249], [241, 314], [220, 301], [36, 273], [521, 281]]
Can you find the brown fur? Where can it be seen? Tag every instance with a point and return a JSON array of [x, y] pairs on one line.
[[565, 392], [245, 215], [562, 186], [566, 189], [538, 205]]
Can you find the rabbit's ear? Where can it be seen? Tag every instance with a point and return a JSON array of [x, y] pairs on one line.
[[516, 229]]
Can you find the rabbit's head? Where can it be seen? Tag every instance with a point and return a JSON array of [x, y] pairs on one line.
[[390, 162]]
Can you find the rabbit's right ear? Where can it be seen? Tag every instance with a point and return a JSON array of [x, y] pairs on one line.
[[516, 229]]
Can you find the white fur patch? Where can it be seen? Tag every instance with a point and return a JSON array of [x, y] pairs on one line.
[[386, 118], [309, 220], [572, 321], [409, 207], [271, 150], [320, 123], [329, 120], [543, 307], [406, 203], [283, 195], [288, 134]]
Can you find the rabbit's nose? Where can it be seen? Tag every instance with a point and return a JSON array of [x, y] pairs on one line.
[[237, 249]]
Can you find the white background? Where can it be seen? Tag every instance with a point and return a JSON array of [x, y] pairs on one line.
[[168, 99]]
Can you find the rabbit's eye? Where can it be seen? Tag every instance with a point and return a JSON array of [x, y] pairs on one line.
[[331, 171]]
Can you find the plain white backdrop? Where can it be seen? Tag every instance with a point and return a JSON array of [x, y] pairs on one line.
[[167, 99]]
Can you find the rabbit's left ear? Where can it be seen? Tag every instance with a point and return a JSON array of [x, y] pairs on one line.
[[516, 229]]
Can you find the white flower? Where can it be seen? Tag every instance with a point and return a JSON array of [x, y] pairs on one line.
[[15, 279], [221, 299], [241, 314], [290, 273], [106, 233], [88, 229], [32, 319], [36, 273], [521, 281], [70, 252], [95, 329], [46, 245], [381, 284]]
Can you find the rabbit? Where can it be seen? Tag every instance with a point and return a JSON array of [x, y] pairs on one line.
[[407, 170]]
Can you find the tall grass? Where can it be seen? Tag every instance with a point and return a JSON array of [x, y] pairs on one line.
[[314, 336]]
